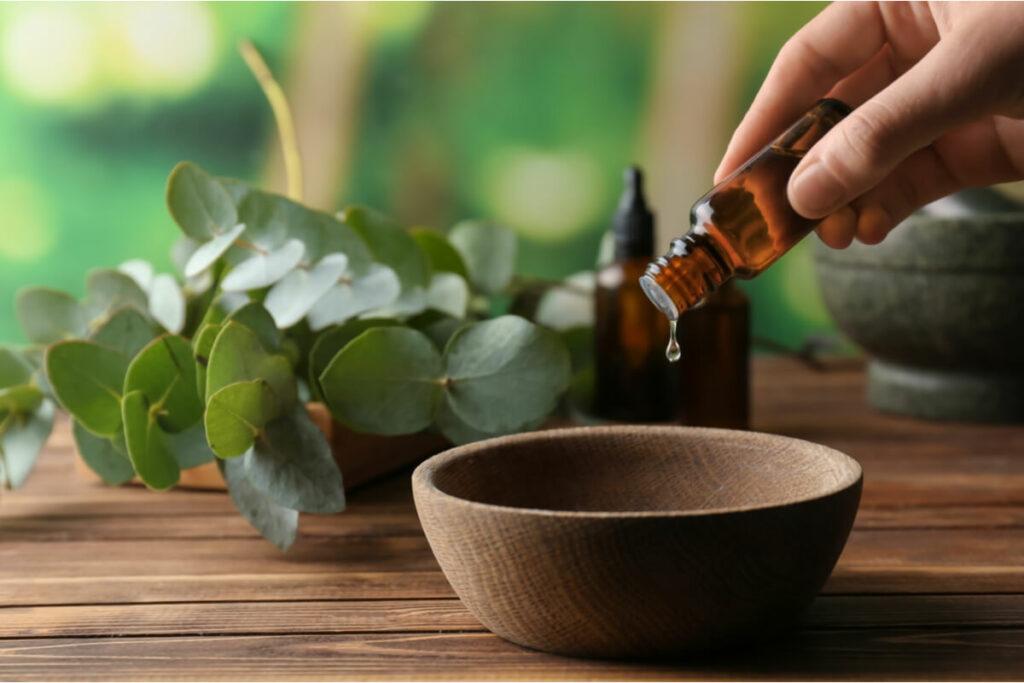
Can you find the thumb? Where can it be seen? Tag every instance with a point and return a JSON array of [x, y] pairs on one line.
[[863, 149]]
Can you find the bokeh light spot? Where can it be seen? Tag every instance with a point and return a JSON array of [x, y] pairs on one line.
[[26, 226], [547, 196], [171, 45], [49, 53]]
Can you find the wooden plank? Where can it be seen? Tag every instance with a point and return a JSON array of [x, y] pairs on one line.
[[363, 616], [889, 654], [950, 578], [367, 616], [192, 587], [940, 517], [213, 556]]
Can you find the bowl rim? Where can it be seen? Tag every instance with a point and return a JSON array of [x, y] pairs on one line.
[[423, 476]]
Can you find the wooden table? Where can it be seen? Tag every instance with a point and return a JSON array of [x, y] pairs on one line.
[[116, 583]]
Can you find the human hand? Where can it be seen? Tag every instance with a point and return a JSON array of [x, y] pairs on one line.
[[940, 89]]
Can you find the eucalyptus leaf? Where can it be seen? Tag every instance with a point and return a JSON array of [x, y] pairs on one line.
[[292, 464], [271, 219], [334, 339], [236, 414], [455, 429], [13, 369], [49, 315], [167, 303], [564, 307], [140, 271], [238, 356], [223, 305], [448, 293], [295, 295], [390, 245], [20, 398], [237, 189], [385, 381], [505, 373], [409, 303], [109, 290], [441, 255], [202, 346], [264, 269], [277, 524], [208, 253], [21, 438], [148, 445], [190, 448], [87, 380], [127, 331], [438, 327], [100, 455], [345, 300], [489, 252], [256, 317], [165, 373], [198, 203]]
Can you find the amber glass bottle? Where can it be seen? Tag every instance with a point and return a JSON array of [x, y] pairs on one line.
[[632, 381], [744, 224], [714, 384]]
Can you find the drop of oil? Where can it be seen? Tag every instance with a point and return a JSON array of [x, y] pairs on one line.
[[672, 351]]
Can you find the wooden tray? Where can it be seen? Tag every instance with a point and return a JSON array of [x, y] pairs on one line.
[[361, 457]]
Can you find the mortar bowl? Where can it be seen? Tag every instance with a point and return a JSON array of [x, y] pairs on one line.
[[637, 541]]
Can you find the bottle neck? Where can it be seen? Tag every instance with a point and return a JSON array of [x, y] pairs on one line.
[[681, 279]]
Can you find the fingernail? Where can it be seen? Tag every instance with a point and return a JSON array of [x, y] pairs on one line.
[[815, 192]]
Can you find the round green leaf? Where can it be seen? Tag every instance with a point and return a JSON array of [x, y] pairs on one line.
[[87, 380], [202, 345], [13, 369], [505, 373], [165, 373], [264, 269], [208, 252], [292, 298], [386, 381], [441, 255], [489, 252], [48, 315], [277, 524], [377, 288], [256, 317], [22, 436], [455, 429], [109, 290], [190, 448], [292, 464], [391, 245], [127, 331], [332, 340], [167, 303], [236, 414], [100, 455], [142, 271], [21, 398], [148, 446], [238, 356], [237, 189], [449, 294], [198, 203]]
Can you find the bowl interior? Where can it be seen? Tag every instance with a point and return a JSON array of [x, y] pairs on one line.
[[642, 469]]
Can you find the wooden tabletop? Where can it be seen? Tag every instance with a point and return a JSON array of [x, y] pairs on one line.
[[122, 583]]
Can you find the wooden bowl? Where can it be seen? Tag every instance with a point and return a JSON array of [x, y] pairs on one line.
[[632, 541]]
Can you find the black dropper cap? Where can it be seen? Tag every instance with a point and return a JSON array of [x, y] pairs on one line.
[[633, 222]]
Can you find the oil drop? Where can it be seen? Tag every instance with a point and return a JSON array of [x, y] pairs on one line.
[[672, 351]]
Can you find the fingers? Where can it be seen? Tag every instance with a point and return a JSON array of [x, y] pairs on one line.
[[975, 154], [834, 44], [866, 147]]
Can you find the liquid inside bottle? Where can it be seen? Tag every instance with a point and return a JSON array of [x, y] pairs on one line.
[[744, 224]]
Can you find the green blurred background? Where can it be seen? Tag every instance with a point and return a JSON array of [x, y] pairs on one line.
[[525, 113]]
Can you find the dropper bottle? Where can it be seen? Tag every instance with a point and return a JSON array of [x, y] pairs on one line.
[[631, 382], [742, 226]]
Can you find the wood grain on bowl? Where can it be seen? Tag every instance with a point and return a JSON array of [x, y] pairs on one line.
[[637, 541]]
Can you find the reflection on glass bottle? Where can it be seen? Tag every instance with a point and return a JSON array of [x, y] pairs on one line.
[[744, 224]]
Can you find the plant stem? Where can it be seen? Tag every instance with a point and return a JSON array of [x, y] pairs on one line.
[[282, 115]]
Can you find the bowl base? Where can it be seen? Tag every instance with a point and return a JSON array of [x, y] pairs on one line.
[[946, 394]]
